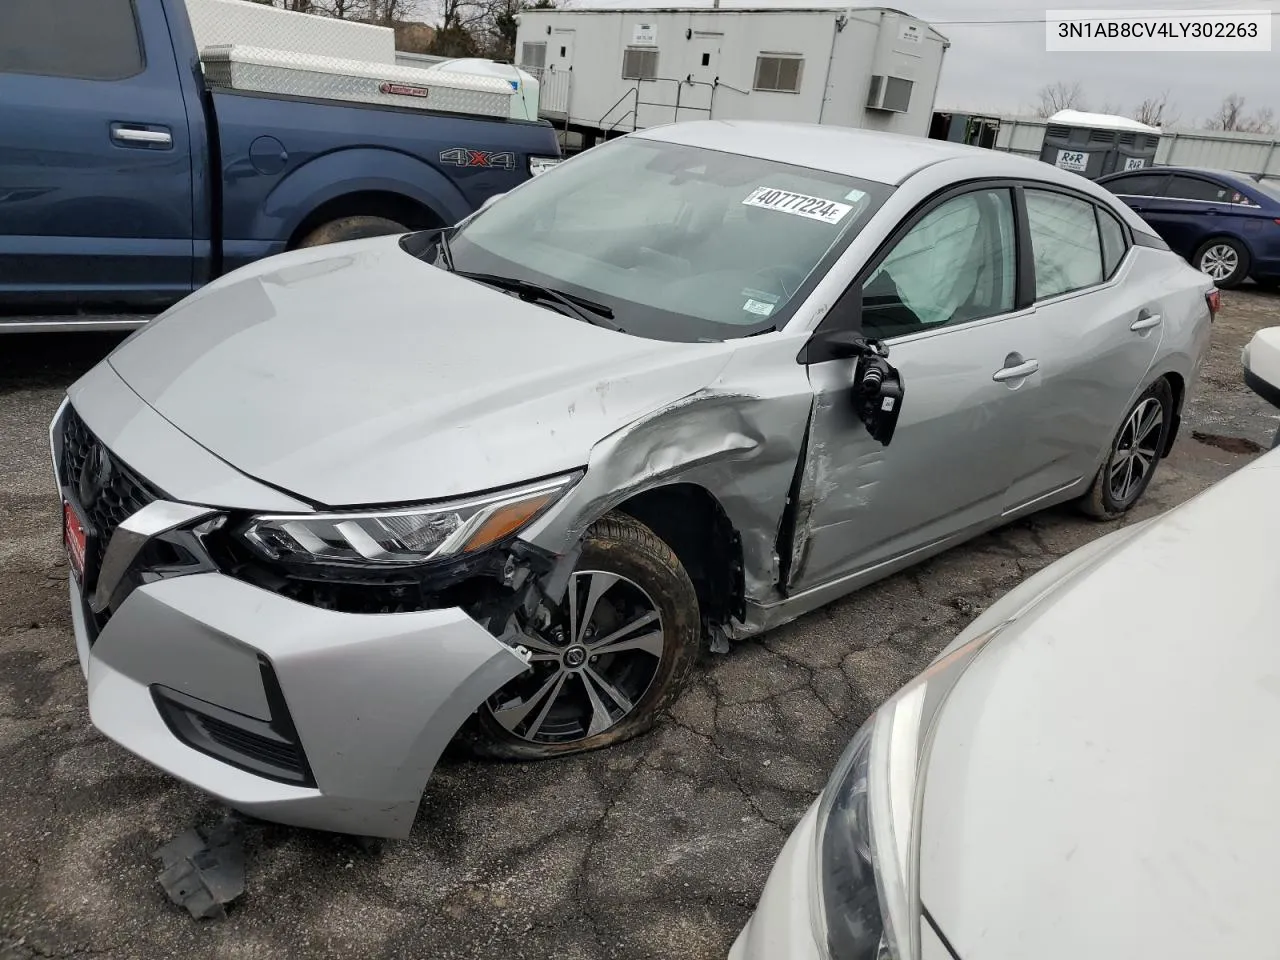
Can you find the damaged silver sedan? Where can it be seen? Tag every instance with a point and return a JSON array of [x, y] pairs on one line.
[[506, 480]]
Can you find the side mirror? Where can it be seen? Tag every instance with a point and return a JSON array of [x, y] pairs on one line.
[[878, 390], [1261, 360]]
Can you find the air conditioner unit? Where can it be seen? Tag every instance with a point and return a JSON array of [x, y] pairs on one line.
[[891, 94]]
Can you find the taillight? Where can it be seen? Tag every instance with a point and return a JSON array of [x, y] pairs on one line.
[[1214, 299]]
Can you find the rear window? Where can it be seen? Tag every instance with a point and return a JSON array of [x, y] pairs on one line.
[[83, 39]]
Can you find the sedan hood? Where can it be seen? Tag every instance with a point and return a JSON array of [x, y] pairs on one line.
[[356, 374], [1103, 778]]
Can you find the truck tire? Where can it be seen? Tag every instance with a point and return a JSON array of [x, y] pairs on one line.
[[638, 636], [351, 228]]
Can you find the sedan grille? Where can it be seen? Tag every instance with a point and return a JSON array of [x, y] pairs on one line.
[[104, 490]]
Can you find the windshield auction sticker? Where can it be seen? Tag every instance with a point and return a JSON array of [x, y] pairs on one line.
[[798, 204]]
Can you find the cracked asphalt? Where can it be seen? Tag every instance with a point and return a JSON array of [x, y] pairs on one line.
[[654, 849]]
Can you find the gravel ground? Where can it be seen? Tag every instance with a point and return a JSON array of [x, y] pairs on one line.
[[658, 848]]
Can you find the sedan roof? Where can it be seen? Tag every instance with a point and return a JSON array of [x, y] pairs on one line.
[[887, 158]]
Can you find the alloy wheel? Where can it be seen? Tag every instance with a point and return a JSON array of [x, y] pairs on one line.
[[1220, 261], [590, 667], [1134, 456]]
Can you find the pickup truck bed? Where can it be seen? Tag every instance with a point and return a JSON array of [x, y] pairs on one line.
[[126, 182]]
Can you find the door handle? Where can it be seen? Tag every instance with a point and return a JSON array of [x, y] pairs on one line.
[[1145, 322], [1024, 369], [133, 137]]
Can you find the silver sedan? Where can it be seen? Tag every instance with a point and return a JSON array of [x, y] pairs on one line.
[[505, 480]]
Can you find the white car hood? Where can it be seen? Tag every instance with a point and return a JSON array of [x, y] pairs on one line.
[[1104, 780], [356, 374]]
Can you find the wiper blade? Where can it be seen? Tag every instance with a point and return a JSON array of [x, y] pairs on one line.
[[582, 308], [446, 252]]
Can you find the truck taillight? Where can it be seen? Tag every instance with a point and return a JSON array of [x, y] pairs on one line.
[[1214, 299]]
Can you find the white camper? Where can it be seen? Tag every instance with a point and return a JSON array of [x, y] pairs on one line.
[[608, 71]]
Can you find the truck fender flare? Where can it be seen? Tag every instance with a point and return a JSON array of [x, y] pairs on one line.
[[356, 170]]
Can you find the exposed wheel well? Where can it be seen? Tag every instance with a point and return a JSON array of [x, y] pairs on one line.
[[693, 524], [370, 203]]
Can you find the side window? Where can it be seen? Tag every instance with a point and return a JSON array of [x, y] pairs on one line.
[[1064, 243], [957, 264], [1143, 186], [70, 38], [1193, 188], [1114, 244]]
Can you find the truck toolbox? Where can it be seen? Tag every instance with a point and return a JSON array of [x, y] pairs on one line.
[[280, 72]]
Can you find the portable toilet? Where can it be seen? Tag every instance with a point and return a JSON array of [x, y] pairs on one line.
[[1095, 144], [524, 105]]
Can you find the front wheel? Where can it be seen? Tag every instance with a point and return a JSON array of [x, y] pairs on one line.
[[1135, 451], [608, 661], [1225, 260]]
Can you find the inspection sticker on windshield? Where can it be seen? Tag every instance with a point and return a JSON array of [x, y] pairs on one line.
[[758, 307], [784, 201]]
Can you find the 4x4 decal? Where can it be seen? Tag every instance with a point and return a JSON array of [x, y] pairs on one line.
[[463, 157]]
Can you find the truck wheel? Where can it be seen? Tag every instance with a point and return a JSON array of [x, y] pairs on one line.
[[614, 656], [352, 228]]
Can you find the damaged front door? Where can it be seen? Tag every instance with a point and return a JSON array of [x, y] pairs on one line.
[[943, 299]]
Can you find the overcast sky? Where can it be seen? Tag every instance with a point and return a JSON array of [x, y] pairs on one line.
[[998, 67]]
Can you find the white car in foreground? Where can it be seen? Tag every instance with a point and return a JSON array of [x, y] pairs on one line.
[[1089, 770]]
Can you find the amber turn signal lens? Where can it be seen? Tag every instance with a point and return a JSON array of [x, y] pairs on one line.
[[506, 520]]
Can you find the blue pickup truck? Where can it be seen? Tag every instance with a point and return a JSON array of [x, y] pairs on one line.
[[126, 182]]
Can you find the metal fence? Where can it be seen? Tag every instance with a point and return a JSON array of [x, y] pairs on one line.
[[555, 90], [1249, 153]]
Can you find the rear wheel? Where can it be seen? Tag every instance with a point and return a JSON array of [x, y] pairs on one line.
[[352, 228], [1225, 260], [1135, 451], [611, 658]]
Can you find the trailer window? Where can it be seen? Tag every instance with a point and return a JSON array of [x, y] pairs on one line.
[[533, 55], [778, 72], [70, 38], [639, 63]]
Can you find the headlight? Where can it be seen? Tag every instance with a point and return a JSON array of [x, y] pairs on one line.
[[539, 165], [865, 905], [405, 536]]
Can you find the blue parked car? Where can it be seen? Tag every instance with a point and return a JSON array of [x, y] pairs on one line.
[[1226, 224]]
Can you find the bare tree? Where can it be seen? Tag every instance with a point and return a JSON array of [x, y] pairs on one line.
[[1156, 111], [1060, 96], [1231, 116], [1113, 108]]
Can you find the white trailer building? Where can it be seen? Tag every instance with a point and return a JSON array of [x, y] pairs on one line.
[[609, 71]]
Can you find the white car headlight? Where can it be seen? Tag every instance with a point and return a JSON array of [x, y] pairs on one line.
[[407, 535], [865, 902]]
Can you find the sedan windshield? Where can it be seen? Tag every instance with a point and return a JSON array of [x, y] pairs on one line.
[[676, 242]]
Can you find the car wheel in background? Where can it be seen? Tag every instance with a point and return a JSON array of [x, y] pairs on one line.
[[614, 656], [1134, 453], [1223, 259], [352, 228]]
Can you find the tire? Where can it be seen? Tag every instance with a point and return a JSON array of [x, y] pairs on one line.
[[533, 718], [1110, 496], [351, 228], [1219, 254]]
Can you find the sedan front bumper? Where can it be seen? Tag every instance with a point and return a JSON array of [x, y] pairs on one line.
[[284, 711]]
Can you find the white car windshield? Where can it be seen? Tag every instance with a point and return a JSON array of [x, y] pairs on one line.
[[677, 242]]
